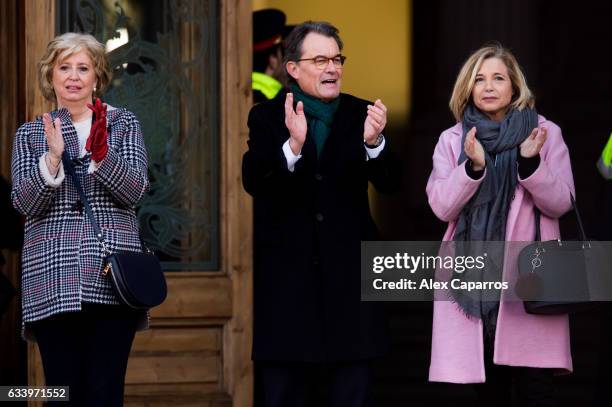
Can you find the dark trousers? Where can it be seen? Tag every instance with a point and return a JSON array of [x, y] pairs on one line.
[[309, 384], [87, 351], [508, 386]]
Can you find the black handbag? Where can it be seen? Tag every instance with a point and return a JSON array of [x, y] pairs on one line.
[[137, 278], [553, 276]]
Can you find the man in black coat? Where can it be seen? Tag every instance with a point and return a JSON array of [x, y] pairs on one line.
[[311, 155]]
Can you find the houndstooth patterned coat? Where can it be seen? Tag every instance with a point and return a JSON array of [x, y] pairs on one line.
[[62, 259]]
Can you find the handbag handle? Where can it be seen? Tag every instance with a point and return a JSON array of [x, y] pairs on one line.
[[538, 236]]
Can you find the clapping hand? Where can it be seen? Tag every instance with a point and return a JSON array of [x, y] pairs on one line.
[[375, 122], [55, 141], [295, 120], [474, 151], [533, 144]]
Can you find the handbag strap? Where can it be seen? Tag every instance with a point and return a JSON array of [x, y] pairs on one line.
[[537, 213], [538, 236], [69, 167], [77, 183]]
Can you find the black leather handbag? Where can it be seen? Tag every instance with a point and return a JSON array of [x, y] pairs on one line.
[[138, 278], [554, 276]]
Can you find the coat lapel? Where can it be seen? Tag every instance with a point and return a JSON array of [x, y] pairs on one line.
[[71, 139]]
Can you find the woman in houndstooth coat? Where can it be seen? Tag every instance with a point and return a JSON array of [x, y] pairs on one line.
[[69, 306]]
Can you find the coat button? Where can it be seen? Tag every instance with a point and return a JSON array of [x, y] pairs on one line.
[[319, 217], [318, 177]]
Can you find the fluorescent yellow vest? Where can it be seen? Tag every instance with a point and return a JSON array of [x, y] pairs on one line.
[[604, 164], [266, 84]]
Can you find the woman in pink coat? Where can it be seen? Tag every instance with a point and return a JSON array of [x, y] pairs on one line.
[[489, 171]]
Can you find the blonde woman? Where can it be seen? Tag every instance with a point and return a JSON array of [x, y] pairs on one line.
[[69, 306], [490, 170]]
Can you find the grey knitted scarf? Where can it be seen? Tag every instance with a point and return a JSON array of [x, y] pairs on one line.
[[483, 218]]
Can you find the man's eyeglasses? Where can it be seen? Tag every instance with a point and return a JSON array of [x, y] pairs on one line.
[[321, 62]]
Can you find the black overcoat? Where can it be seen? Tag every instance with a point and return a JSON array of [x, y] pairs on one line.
[[308, 225]]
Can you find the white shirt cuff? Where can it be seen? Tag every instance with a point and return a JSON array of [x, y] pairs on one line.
[[52, 181], [291, 158], [372, 153]]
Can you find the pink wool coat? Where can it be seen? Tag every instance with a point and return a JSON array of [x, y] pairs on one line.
[[520, 339]]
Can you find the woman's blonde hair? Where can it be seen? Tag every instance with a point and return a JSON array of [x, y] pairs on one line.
[[63, 46], [462, 92]]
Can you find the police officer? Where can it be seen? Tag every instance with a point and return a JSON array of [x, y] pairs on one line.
[[268, 76]]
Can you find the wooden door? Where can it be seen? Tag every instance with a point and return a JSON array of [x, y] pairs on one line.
[[12, 348], [197, 352]]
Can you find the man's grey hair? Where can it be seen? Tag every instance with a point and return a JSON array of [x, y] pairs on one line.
[[293, 43]]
